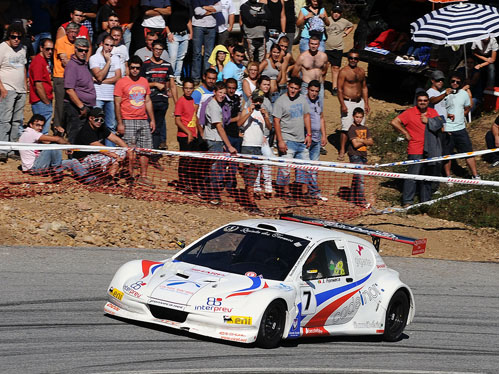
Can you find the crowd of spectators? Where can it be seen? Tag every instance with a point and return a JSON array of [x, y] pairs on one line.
[[105, 73]]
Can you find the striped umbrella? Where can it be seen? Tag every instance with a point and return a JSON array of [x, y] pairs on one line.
[[457, 24]]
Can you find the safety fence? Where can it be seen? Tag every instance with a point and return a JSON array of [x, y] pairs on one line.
[[261, 185]]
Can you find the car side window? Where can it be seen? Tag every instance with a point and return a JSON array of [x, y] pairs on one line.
[[326, 261]]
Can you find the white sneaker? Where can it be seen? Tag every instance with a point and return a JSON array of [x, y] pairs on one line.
[[178, 81], [320, 197], [477, 178], [495, 164]]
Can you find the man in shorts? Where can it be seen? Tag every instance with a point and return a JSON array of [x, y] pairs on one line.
[[337, 29], [133, 106]]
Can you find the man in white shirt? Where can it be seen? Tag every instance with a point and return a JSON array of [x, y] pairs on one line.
[[106, 70], [154, 12], [12, 86], [225, 20]]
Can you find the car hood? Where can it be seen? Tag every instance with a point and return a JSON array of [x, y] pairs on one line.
[[178, 285]]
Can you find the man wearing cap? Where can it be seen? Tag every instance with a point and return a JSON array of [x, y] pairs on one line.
[[337, 29], [252, 122], [94, 132], [436, 94], [80, 90]]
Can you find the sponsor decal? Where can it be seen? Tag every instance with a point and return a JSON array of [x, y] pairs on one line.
[[137, 285], [360, 249], [238, 320], [381, 266], [314, 331], [112, 306], [257, 285], [368, 325], [209, 272], [294, 331], [213, 304], [114, 292], [363, 262], [132, 292], [250, 274], [166, 304], [285, 287], [231, 228]]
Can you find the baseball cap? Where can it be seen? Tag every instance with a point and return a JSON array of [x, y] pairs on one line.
[[257, 95], [337, 9], [96, 112], [437, 75]]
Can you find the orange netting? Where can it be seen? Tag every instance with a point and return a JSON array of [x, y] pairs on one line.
[[191, 180]]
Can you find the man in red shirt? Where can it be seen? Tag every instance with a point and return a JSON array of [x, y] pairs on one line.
[[40, 83], [77, 16], [412, 124], [187, 135], [133, 105]]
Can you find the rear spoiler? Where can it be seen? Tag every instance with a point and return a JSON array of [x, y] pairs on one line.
[[418, 245]]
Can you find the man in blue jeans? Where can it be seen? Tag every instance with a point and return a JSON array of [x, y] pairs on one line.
[[294, 135], [204, 32], [318, 126]]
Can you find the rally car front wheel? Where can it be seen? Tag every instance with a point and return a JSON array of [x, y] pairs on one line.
[[396, 316], [272, 325]]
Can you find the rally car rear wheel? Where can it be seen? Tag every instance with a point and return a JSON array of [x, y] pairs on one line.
[[396, 316], [272, 325]]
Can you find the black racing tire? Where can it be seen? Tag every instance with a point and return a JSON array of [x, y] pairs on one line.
[[396, 316], [272, 325]]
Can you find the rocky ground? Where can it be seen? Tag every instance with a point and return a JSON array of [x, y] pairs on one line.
[[79, 217]]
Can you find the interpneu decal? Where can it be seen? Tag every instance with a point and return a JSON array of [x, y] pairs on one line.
[[349, 309]]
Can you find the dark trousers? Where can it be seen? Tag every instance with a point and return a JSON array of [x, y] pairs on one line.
[[411, 185], [159, 134], [73, 122], [189, 168], [491, 143]]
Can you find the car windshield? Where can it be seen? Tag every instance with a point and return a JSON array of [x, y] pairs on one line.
[[247, 251]]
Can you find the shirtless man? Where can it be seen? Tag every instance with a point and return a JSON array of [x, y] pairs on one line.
[[352, 93], [313, 65]]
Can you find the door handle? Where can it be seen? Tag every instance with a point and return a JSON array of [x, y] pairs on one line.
[[349, 280]]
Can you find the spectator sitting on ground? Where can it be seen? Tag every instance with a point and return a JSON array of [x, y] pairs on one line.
[[492, 140], [48, 161], [95, 133]]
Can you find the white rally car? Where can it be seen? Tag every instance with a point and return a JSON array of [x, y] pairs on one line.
[[263, 280]]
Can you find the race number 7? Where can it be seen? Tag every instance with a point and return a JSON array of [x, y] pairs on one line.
[[308, 301]]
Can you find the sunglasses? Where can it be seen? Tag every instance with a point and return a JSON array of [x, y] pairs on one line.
[[48, 49], [13, 37], [455, 81], [353, 58], [439, 80], [134, 67], [82, 50], [99, 119]]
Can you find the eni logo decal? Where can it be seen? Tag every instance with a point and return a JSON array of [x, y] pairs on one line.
[[238, 320], [116, 293]]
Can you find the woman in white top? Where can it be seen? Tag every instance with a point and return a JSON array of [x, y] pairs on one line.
[[249, 83]]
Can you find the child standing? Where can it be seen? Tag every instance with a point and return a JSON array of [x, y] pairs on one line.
[[359, 138]]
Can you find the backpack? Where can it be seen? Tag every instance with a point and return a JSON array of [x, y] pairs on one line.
[[316, 26], [226, 113]]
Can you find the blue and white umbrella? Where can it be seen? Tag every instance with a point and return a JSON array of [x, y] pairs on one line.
[[457, 24]]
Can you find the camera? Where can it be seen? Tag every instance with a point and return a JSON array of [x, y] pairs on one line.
[[258, 106]]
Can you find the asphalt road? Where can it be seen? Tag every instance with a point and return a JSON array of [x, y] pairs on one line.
[[51, 321]]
